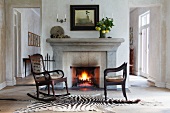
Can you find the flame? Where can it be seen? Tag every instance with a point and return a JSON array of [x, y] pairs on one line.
[[84, 76]]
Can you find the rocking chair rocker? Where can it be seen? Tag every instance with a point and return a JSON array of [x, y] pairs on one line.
[[47, 78]]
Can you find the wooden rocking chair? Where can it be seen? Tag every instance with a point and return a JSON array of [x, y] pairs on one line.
[[47, 78]]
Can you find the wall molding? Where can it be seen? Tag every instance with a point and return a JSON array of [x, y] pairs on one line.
[[3, 85]]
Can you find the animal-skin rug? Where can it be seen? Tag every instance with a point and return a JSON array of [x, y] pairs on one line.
[[75, 103]]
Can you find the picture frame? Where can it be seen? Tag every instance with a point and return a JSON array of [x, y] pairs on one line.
[[83, 17], [30, 39], [34, 39], [38, 41]]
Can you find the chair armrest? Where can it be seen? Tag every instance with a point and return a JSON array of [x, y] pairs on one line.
[[109, 70], [40, 73], [117, 69]]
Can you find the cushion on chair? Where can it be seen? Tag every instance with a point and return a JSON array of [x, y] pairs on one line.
[[56, 76], [40, 79], [118, 78]]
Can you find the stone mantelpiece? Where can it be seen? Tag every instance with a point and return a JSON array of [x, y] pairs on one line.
[[86, 44], [84, 52]]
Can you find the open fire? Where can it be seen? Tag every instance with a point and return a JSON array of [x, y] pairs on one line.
[[84, 79], [85, 76]]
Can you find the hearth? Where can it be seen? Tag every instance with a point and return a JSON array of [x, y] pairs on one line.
[[85, 76]]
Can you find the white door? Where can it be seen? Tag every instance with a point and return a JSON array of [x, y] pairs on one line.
[[144, 20]]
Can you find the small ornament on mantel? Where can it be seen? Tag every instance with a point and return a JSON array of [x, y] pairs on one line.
[[109, 37], [58, 32]]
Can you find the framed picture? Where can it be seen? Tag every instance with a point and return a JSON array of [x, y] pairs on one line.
[[30, 39], [83, 17], [34, 39]]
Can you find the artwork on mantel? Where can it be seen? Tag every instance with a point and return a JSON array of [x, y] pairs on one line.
[[83, 17], [33, 39]]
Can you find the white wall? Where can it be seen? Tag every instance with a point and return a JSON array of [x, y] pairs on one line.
[[30, 22], [119, 9], [2, 46]]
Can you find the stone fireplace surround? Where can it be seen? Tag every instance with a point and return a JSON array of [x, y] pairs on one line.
[[84, 52]]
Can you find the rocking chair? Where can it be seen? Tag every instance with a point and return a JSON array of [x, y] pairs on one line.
[[47, 78]]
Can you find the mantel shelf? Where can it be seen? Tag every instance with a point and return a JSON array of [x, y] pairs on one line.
[[85, 44]]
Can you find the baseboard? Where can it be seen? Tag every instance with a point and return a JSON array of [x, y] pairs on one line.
[[10, 83], [160, 84], [157, 84], [151, 79], [136, 73], [168, 85], [3, 85]]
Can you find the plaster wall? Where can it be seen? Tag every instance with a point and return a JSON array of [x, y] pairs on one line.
[[2, 46], [30, 22], [120, 13], [145, 3]]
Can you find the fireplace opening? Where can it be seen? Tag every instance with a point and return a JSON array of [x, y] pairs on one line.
[[85, 76]]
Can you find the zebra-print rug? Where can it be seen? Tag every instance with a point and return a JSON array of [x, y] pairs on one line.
[[75, 103]]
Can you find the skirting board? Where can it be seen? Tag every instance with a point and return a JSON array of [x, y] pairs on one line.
[[160, 84], [10, 83], [157, 84], [168, 85], [2, 85]]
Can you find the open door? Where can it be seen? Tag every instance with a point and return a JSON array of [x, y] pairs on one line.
[[144, 21]]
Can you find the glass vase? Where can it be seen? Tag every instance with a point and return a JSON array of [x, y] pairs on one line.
[[102, 35]]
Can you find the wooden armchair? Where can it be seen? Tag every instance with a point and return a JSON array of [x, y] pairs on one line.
[[116, 80], [43, 77]]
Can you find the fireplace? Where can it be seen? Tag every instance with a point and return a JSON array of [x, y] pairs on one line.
[[85, 76], [84, 52]]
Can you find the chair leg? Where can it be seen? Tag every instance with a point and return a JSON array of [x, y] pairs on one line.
[[124, 91], [37, 87], [105, 92], [48, 86], [66, 86], [53, 89]]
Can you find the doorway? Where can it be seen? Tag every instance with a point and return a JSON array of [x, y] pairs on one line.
[[25, 20], [139, 33], [146, 24]]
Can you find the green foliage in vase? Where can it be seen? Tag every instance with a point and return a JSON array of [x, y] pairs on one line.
[[104, 25]]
